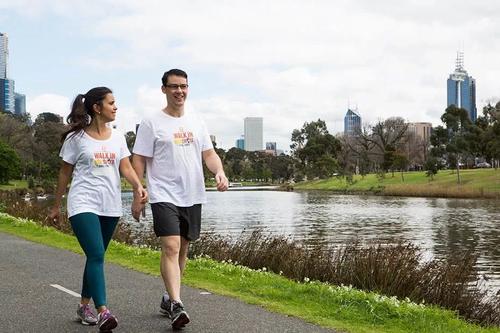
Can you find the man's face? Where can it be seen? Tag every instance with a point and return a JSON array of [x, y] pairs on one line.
[[176, 90]]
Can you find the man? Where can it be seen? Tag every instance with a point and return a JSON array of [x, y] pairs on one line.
[[171, 145]]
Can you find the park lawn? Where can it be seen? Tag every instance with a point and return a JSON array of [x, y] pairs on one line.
[[13, 184], [330, 306], [474, 183]]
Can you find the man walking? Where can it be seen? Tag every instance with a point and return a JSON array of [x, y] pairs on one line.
[[171, 146]]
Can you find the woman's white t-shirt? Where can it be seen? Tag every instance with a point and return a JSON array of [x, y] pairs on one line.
[[95, 187], [174, 149]]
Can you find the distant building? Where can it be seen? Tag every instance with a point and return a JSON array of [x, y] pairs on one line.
[[271, 148], [352, 122], [461, 89], [7, 99], [254, 136], [4, 55], [240, 143], [421, 130], [212, 138], [19, 104]]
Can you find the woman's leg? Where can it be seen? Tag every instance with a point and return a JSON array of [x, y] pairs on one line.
[[87, 228]]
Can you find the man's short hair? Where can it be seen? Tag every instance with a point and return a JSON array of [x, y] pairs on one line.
[[176, 72]]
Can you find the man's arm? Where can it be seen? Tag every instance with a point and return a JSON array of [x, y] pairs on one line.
[[214, 164]]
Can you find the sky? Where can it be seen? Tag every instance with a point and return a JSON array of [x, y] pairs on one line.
[[289, 62]]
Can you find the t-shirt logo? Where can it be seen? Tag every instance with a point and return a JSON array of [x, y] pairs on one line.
[[183, 138], [104, 158]]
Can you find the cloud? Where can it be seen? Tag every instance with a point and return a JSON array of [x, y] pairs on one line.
[[48, 103]]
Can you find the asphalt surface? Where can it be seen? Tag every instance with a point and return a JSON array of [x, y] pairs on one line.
[[28, 302]]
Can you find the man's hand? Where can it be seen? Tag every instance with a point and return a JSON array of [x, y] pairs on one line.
[[222, 182], [140, 199]]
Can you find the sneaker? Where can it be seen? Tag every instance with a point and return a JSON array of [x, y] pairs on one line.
[[106, 321], [85, 315], [166, 306], [178, 315]]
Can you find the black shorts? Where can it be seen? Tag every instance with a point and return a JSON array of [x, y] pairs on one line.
[[170, 220]]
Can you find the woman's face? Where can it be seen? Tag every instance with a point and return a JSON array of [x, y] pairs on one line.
[[107, 112]]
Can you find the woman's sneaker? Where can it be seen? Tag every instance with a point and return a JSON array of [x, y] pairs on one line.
[[85, 315], [179, 316], [106, 321], [166, 306]]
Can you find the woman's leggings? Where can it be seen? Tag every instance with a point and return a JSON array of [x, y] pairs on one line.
[[94, 233]]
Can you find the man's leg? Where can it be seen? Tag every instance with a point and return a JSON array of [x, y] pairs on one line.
[[170, 265], [183, 253]]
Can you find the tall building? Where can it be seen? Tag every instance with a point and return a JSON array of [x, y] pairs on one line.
[[4, 55], [352, 122], [19, 104], [254, 137], [240, 143], [461, 88], [7, 99], [271, 148], [421, 130]]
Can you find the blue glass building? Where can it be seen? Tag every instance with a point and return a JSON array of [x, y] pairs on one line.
[[7, 99], [461, 89], [352, 123], [20, 104], [240, 143]]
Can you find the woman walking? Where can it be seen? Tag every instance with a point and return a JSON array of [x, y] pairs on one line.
[[94, 155]]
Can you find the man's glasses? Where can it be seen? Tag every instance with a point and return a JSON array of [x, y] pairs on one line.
[[177, 86]]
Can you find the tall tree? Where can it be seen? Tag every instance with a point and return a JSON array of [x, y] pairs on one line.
[[9, 163]]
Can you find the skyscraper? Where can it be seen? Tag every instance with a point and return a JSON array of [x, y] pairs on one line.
[[254, 137], [461, 88], [7, 99], [20, 104], [240, 143], [352, 122], [4, 55]]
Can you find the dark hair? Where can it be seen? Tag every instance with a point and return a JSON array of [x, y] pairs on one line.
[[82, 110], [176, 72]]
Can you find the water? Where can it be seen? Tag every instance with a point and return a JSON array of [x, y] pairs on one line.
[[441, 227]]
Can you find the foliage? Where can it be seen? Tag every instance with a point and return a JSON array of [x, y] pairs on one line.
[[9, 163]]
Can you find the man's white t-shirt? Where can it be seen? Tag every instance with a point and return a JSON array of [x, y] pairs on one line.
[[95, 187], [173, 147]]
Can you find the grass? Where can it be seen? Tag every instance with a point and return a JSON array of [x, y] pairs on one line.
[[339, 307], [475, 183], [14, 184]]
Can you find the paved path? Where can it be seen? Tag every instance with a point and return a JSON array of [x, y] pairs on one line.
[[28, 302]]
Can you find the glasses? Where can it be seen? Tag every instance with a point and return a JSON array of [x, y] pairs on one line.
[[177, 86]]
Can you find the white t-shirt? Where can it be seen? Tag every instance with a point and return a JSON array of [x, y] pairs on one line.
[[173, 147], [95, 187]]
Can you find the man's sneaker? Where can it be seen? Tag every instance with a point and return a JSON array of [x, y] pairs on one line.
[[85, 315], [166, 306], [178, 315], [106, 321]]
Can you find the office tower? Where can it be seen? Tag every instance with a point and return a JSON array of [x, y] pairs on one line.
[[212, 138], [352, 122], [461, 89], [240, 143], [4, 55], [19, 104], [421, 130], [253, 133], [7, 99]]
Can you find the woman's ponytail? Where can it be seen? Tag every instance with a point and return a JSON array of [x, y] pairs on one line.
[[82, 110]]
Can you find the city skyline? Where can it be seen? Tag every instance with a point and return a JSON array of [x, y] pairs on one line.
[[392, 62]]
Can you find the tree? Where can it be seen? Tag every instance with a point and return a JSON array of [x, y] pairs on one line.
[[9, 163], [388, 137], [130, 139], [48, 128], [315, 149]]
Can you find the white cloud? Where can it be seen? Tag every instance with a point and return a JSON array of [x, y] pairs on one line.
[[48, 103]]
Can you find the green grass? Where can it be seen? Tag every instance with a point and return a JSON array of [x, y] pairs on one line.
[[474, 183], [336, 307], [13, 184]]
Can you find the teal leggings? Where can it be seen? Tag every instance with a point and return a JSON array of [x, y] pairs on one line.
[[94, 233]]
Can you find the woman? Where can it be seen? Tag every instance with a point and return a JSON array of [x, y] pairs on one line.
[[94, 155]]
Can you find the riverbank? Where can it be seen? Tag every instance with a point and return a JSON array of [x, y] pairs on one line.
[[475, 183], [326, 305]]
